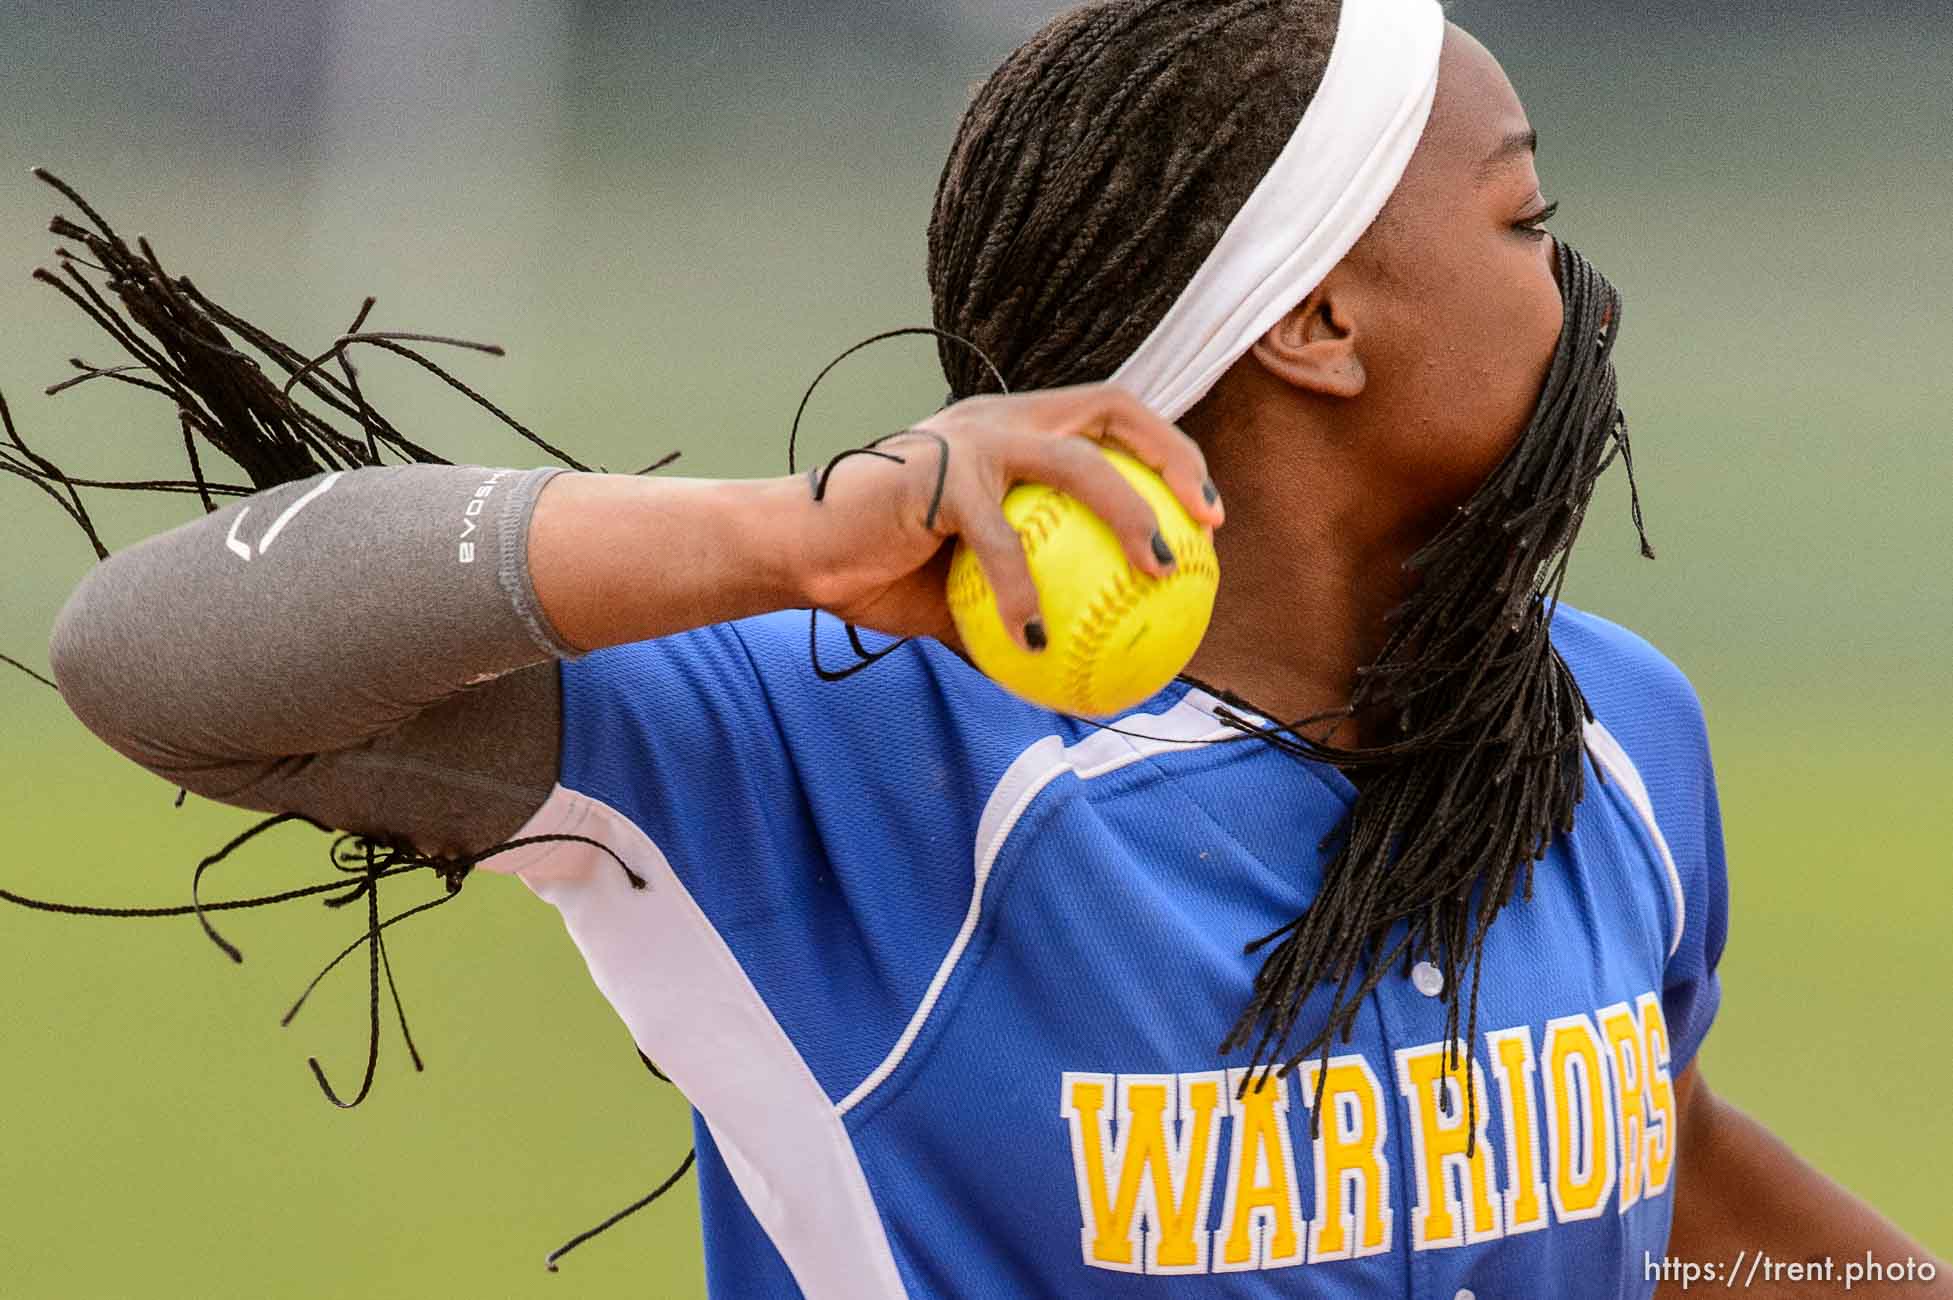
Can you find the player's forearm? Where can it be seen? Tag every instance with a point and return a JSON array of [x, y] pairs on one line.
[[616, 558], [1742, 1193]]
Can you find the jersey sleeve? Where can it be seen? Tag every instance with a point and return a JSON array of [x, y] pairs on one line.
[[1652, 709], [824, 831], [1682, 789]]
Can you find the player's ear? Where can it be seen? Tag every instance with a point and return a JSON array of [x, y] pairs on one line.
[[1314, 346]]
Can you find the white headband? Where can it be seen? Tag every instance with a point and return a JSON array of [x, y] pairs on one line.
[[1323, 191]]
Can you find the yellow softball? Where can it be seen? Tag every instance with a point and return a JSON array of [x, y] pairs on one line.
[[1116, 634]]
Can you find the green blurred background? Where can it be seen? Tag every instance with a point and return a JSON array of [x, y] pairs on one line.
[[673, 216]]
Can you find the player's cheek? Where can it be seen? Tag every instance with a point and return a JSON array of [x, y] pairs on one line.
[[1522, 358]]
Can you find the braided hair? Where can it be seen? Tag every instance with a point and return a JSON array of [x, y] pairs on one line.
[[1091, 176], [191, 350], [1096, 169]]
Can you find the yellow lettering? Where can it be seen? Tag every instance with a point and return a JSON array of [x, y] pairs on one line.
[[1438, 1142], [1579, 1118], [1353, 1215], [1513, 1067], [1622, 1032], [1261, 1220], [1661, 1095], [1148, 1175]]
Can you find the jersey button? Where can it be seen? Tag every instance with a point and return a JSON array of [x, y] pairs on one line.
[[1465, 1293], [1429, 981]]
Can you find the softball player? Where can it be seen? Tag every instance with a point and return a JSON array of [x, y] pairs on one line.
[[974, 999]]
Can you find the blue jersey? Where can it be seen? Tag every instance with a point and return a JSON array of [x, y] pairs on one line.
[[943, 975]]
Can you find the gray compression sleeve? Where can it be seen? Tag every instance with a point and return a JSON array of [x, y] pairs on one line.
[[364, 647]]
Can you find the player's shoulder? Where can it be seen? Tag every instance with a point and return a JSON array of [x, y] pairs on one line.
[[1626, 679], [796, 661], [917, 694], [739, 705], [793, 649]]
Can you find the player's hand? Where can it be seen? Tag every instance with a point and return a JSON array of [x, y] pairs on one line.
[[876, 547]]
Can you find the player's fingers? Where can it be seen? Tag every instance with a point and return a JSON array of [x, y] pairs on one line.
[[999, 550], [1077, 468], [1115, 415], [1103, 412]]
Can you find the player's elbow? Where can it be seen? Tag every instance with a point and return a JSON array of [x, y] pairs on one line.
[[81, 658], [99, 669]]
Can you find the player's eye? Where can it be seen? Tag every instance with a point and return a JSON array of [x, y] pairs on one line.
[[1534, 227]]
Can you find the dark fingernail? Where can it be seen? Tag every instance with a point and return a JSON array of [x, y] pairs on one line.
[[1034, 634], [1209, 491], [1161, 551]]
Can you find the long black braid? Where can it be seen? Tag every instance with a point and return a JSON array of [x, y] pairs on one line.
[[1091, 176], [188, 348], [1487, 766]]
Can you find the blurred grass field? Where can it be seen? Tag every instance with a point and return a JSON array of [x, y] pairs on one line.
[[672, 229]]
